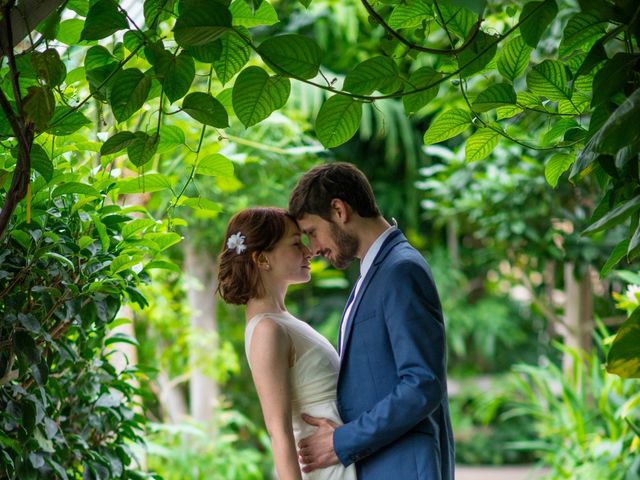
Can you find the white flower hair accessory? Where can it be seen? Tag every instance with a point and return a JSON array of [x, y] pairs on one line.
[[236, 242]]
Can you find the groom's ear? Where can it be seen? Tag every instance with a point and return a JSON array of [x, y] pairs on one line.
[[340, 211]]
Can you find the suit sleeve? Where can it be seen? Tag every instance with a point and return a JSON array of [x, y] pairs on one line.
[[413, 319]]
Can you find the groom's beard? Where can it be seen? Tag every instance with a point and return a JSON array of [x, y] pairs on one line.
[[346, 247]]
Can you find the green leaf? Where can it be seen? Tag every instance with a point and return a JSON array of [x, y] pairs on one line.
[[142, 148], [204, 108], [558, 130], [175, 73], [125, 262], [481, 144], [244, 16], [475, 6], [534, 20], [48, 67], [633, 243], [171, 136], [70, 31], [103, 19], [478, 55], [514, 58], [410, 14], [164, 240], [447, 125], [556, 166], [255, 95], [150, 182], [377, 73], [66, 121], [39, 105], [215, 165], [507, 112], [128, 91], [421, 78], [25, 345], [29, 322], [624, 357], [75, 188], [549, 79], [291, 55], [201, 22], [495, 96], [458, 21], [163, 265], [202, 204], [116, 143], [234, 55], [338, 120], [581, 32], [40, 162], [135, 226], [615, 216], [616, 255], [119, 337], [529, 100]]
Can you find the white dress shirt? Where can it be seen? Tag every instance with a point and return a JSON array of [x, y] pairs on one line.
[[365, 265]]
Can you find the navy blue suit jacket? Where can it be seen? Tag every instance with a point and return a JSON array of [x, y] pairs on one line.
[[392, 390]]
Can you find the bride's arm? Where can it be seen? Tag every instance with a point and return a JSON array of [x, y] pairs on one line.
[[270, 353]]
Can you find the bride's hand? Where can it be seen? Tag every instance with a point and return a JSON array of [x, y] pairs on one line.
[[316, 450]]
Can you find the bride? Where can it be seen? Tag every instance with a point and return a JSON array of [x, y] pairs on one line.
[[294, 368]]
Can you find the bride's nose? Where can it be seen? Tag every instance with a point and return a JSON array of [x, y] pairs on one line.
[[306, 252]]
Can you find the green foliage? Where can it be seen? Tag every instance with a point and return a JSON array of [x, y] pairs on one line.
[[586, 420], [66, 411]]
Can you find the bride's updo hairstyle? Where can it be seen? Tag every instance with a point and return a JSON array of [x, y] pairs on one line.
[[251, 231]]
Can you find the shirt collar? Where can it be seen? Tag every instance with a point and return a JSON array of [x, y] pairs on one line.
[[371, 254]]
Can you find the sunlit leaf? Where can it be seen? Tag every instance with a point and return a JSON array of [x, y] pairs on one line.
[[556, 166], [127, 93], [514, 58], [423, 77], [338, 120], [549, 79], [292, 55], [447, 125], [495, 96], [142, 148], [234, 54], [256, 95], [376, 73], [481, 144], [244, 16], [581, 32], [410, 14], [624, 356], [201, 22]]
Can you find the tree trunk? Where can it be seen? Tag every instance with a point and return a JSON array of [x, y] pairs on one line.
[[578, 313], [203, 390], [172, 400]]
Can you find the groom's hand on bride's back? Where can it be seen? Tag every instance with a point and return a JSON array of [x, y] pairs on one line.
[[316, 450]]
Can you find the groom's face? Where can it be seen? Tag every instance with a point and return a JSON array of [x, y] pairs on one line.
[[329, 240]]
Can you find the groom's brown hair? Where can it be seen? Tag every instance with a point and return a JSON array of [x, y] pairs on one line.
[[320, 185]]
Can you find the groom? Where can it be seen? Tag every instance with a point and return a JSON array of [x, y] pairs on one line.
[[392, 386]]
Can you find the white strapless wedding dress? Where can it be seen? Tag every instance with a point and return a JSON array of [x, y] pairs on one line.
[[314, 377]]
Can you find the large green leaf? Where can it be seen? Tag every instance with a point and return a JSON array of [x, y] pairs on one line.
[[39, 105], [234, 54], [624, 357], [215, 165], [103, 19], [292, 55], [338, 120], [514, 58], [117, 142], [176, 73], [142, 148], [204, 108], [423, 77], [40, 162], [477, 56], [616, 255], [244, 16], [495, 96], [535, 18], [201, 22], [49, 67], [475, 6], [75, 188], [481, 144], [377, 73], [410, 14], [255, 95], [556, 166], [150, 182], [582, 32], [447, 125], [549, 79], [459, 21], [70, 31], [614, 134], [615, 216], [127, 93], [66, 121]]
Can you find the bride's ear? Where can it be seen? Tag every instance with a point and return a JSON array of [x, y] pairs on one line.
[[261, 260]]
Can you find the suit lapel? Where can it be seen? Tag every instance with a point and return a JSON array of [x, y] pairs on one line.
[[393, 239]]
